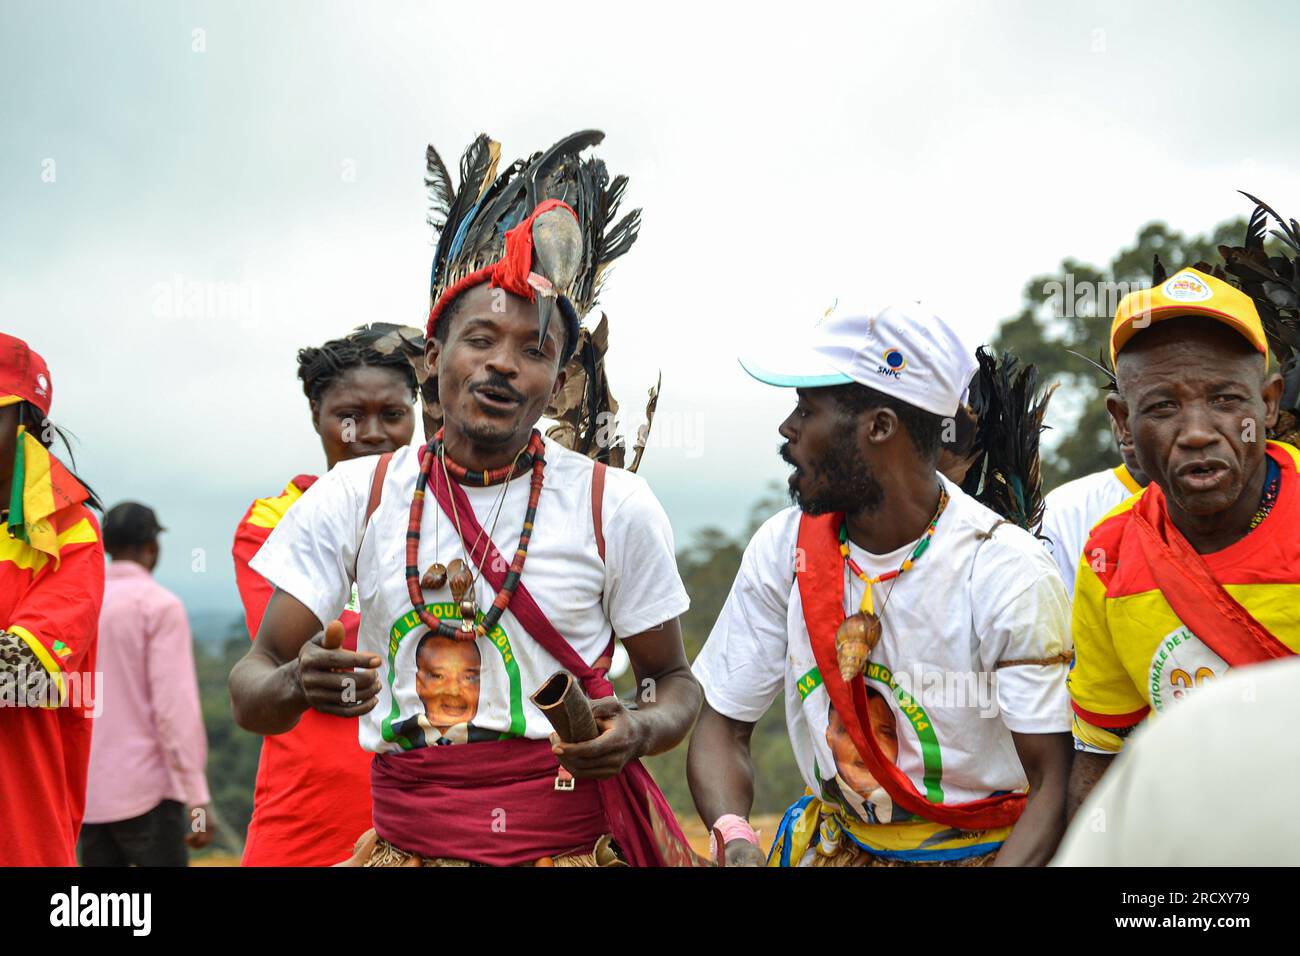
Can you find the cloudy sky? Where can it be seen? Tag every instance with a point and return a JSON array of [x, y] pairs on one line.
[[192, 191]]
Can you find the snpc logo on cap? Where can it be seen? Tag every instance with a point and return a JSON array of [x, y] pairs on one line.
[[894, 364]]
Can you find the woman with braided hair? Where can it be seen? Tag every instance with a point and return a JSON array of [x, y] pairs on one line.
[[313, 782]]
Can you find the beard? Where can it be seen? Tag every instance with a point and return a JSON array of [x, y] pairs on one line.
[[845, 482]]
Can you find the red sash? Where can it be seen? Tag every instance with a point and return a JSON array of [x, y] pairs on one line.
[[1187, 583], [623, 796], [821, 589]]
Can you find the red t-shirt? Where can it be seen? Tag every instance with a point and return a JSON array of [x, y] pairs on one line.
[[312, 799], [44, 751]]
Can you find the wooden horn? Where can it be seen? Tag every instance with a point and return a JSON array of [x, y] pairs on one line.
[[567, 708]]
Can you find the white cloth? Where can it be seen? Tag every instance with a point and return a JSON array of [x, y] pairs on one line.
[[965, 605], [903, 350], [1211, 783], [1071, 511], [313, 550]]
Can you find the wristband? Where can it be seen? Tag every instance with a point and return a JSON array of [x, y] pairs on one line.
[[732, 827]]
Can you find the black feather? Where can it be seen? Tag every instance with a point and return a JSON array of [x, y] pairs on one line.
[[1010, 410], [442, 193], [475, 165], [1102, 365]]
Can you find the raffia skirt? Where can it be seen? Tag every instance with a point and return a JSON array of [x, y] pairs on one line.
[[374, 850]]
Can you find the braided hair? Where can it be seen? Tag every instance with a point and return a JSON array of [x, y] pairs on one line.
[[380, 344]]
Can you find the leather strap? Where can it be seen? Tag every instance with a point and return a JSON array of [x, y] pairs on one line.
[[376, 492], [377, 484], [597, 503]]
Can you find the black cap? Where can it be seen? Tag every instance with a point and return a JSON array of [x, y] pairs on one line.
[[130, 524]]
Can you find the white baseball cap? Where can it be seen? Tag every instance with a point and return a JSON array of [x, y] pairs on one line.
[[903, 350]]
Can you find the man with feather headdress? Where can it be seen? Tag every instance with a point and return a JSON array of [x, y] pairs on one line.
[[518, 263], [922, 709], [1199, 572]]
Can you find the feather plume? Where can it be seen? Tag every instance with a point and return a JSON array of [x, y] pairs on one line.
[[1273, 282], [1102, 365], [1010, 408]]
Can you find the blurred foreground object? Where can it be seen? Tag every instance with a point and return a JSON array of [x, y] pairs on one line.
[[1212, 783]]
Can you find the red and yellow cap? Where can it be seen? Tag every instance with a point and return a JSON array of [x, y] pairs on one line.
[[1188, 292], [24, 376]]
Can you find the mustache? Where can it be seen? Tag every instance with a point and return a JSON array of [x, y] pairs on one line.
[[784, 452], [497, 381]]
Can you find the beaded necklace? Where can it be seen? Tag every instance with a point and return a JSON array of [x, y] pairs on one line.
[[1272, 484], [458, 573], [860, 632], [867, 605]]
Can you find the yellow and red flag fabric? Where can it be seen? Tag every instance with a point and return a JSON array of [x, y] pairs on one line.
[[42, 486]]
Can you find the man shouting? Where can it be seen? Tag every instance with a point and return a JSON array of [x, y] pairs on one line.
[[919, 639], [1201, 570]]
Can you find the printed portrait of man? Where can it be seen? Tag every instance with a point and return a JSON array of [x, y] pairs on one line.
[[447, 681], [859, 788]]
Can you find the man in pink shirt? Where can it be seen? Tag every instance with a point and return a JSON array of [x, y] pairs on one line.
[[149, 747]]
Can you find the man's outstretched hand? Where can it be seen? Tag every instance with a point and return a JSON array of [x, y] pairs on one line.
[[335, 681]]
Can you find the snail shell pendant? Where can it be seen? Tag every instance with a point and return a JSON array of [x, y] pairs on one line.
[[854, 640]]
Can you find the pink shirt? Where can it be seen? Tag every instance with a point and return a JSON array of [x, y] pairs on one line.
[[149, 743]]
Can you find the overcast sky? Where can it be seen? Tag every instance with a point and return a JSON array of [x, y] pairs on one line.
[[785, 155]]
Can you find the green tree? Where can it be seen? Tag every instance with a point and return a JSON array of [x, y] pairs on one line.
[[233, 753], [1070, 311]]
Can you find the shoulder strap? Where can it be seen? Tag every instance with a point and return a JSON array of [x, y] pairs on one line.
[[377, 484], [376, 493], [597, 503]]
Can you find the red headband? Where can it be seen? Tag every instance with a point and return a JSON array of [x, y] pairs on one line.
[[512, 272]]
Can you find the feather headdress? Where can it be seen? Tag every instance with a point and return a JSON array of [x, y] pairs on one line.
[[1009, 410], [1273, 282], [545, 228]]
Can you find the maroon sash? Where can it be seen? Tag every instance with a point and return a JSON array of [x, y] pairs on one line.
[[623, 796], [438, 802], [1187, 583]]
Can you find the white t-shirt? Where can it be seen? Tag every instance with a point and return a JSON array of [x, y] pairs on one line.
[[1071, 511], [477, 690], [965, 605]]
